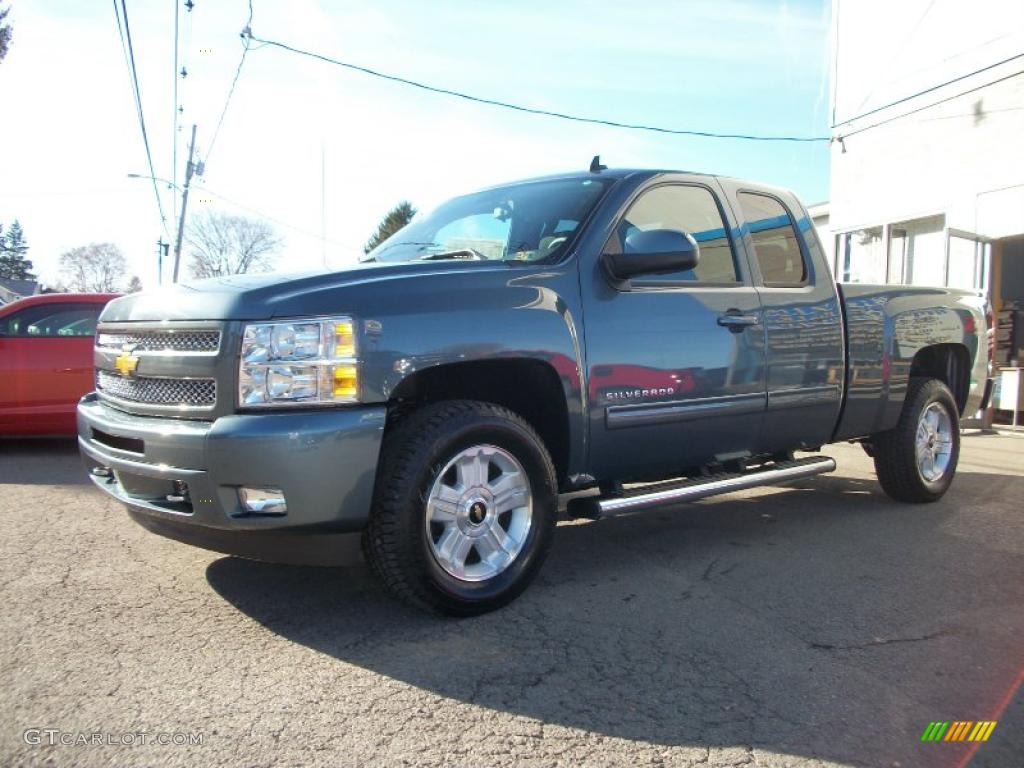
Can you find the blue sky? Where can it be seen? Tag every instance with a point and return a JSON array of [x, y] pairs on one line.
[[747, 66]]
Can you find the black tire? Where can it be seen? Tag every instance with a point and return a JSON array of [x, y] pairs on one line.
[[895, 454], [414, 453]]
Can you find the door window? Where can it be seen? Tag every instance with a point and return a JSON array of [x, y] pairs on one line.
[[52, 320], [689, 209], [776, 246]]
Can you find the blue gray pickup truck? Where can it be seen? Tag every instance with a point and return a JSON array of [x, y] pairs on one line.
[[651, 337]]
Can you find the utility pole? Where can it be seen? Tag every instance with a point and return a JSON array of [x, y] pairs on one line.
[[161, 251], [323, 205], [189, 168]]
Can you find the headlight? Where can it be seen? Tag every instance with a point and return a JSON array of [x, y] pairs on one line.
[[302, 362]]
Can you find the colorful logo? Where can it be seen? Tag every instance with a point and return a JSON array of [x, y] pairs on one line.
[[958, 730]]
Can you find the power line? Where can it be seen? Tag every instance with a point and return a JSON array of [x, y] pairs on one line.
[[901, 50], [530, 110], [268, 217], [929, 90], [126, 35], [842, 136], [246, 35]]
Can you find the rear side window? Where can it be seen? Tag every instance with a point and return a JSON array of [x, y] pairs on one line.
[[52, 320], [688, 209], [776, 246]]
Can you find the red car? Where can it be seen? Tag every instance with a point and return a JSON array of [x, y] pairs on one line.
[[46, 360]]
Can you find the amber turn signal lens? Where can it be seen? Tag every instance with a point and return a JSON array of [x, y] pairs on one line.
[[344, 340], [345, 382]]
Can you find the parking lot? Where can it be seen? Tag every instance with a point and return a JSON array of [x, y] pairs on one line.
[[817, 624]]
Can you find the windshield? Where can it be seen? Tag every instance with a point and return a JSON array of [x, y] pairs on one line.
[[523, 222]]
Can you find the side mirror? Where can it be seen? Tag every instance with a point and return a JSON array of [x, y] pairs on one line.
[[652, 252]]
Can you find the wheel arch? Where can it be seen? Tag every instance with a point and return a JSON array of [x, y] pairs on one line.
[[529, 387], [950, 363]]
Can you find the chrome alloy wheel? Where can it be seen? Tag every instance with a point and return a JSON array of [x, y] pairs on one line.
[[479, 513], [933, 445]]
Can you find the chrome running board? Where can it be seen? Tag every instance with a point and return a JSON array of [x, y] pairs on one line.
[[675, 491]]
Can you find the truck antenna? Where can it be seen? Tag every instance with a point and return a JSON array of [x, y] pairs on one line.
[[595, 165]]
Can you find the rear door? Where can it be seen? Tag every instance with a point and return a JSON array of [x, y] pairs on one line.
[[803, 322], [675, 362]]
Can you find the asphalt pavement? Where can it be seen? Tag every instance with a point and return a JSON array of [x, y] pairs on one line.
[[814, 624]]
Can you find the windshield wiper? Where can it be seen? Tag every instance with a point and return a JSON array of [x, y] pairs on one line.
[[467, 254], [422, 245]]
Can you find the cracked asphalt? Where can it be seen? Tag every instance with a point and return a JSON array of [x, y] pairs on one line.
[[815, 624]]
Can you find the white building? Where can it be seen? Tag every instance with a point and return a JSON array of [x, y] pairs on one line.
[[927, 157]]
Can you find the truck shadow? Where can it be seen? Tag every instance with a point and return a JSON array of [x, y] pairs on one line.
[[803, 623]]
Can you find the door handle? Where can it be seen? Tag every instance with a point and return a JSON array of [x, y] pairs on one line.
[[736, 322]]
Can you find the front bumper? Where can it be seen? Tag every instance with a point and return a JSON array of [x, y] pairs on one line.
[[181, 477]]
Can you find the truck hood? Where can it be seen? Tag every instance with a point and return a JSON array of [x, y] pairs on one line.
[[270, 295]]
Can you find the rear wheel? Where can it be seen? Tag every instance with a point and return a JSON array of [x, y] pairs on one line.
[[465, 507], [915, 461]]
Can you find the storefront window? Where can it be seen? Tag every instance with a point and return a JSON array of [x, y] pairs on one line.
[[968, 262], [861, 256], [920, 247]]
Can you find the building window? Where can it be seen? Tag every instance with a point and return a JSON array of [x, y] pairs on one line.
[[917, 252], [861, 256], [968, 262]]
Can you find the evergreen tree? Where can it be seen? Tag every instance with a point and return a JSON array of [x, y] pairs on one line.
[[5, 33], [134, 285], [393, 221], [13, 264]]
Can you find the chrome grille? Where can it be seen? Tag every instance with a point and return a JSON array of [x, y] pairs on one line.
[[161, 341], [197, 393]]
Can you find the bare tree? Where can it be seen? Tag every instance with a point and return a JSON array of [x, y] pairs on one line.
[[222, 244], [134, 285], [93, 268]]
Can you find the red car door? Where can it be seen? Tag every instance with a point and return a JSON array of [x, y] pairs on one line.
[[46, 363]]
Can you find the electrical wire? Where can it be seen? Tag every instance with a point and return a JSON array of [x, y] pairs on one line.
[[840, 137], [530, 110], [268, 217], [246, 36], [900, 51], [929, 90], [126, 36]]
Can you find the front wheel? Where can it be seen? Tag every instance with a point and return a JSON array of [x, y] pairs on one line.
[[915, 461], [465, 507]]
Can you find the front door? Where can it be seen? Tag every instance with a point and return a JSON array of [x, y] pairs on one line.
[[675, 362], [46, 366]]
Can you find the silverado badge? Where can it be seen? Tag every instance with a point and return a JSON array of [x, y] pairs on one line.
[[126, 362]]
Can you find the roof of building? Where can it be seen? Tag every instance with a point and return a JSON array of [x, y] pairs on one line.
[[20, 287]]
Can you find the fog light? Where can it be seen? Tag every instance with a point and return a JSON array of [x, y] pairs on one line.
[[263, 501], [181, 493]]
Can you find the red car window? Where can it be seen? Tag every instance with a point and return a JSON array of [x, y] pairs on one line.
[[52, 320]]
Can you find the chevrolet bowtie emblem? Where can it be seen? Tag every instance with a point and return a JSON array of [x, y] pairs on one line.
[[126, 362]]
